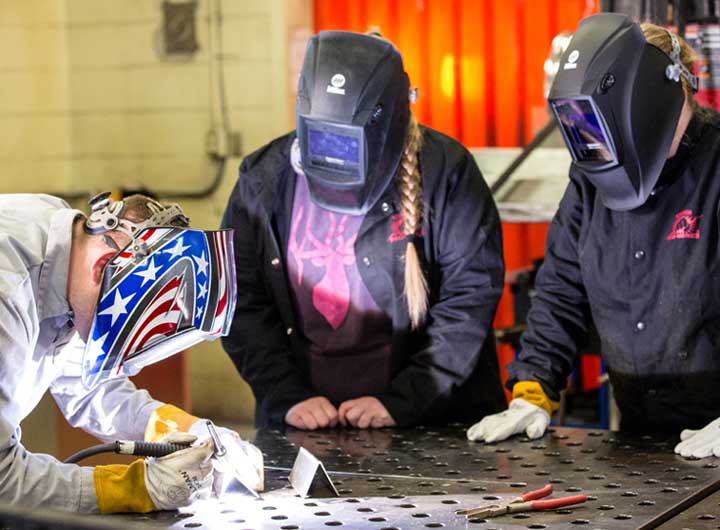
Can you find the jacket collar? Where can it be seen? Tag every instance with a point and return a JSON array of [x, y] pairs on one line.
[[53, 281], [675, 166], [283, 192]]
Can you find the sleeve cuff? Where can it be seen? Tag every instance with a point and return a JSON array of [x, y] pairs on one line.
[[142, 420], [88, 498], [277, 405], [532, 392], [519, 371], [402, 412]]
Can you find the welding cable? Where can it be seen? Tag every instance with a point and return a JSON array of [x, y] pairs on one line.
[[124, 447]]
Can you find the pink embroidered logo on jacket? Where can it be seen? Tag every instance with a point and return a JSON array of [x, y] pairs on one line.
[[686, 226], [331, 295]]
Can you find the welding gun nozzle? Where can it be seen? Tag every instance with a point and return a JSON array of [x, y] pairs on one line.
[[220, 450]]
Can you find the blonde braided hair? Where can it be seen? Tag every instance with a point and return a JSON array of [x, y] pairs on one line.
[[411, 204]]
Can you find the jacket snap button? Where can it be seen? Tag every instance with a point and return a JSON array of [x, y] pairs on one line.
[[640, 326], [275, 262], [289, 331], [366, 261], [385, 207], [639, 254]]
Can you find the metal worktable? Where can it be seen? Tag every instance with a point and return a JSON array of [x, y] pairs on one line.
[[705, 515], [417, 478]]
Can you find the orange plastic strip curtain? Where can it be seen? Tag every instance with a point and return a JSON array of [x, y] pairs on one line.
[[478, 66]]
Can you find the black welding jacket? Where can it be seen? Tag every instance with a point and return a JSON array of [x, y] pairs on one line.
[[445, 371], [649, 279]]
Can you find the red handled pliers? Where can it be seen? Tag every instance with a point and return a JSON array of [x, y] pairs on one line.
[[524, 503]]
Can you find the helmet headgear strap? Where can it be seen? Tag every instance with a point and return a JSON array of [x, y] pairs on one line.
[[106, 215], [677, 69]]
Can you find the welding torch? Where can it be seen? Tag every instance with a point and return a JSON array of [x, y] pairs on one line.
[[146, 449], [126, 447], [159, 449], [220, 454]]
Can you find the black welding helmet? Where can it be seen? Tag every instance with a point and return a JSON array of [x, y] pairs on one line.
[[617, 100], [352, 118]]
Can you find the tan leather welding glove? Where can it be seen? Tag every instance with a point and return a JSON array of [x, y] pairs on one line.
[[532, 392], [168, 419], [154, 484], [121, 488], [529, 411]]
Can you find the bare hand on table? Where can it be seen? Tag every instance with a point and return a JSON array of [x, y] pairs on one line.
[[365, 412], [311, 414]]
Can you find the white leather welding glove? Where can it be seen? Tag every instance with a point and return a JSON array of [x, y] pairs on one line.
[[701, 443], [242, 458], [520, 416], [180, 478]]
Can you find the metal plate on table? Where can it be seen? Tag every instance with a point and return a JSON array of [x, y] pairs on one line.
[[416, 479], [705, 515]]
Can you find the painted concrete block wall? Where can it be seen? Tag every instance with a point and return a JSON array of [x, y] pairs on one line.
[[87, 103], [35, 143], [139, 118]]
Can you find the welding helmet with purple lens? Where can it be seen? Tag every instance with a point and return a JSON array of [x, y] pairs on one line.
[[353, 109], [617, 100], [168, 289]]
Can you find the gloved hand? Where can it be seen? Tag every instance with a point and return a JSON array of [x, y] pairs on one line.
[[162, 483], [242, 458], [182, 477], [702, 443], [520, 416]]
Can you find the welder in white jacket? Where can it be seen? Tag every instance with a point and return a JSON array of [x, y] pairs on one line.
[[64, 279]]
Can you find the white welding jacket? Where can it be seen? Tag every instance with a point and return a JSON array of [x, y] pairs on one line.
[[39, 351]]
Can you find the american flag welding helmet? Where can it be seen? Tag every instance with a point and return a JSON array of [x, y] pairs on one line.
[[170, 288]]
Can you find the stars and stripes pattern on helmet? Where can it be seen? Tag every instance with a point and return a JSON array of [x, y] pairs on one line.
[[179, 290]]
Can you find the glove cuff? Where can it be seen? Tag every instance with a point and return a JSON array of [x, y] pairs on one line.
[[167, 419], [121, 488], [532, 392], [199, 429]]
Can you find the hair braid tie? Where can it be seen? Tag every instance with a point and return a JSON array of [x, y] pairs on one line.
[[410, 186]]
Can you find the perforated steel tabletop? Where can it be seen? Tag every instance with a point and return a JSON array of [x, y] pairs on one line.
[[417, 478]]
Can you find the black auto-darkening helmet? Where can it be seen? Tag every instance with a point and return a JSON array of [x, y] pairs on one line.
[[352, 118], [618, 101]]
